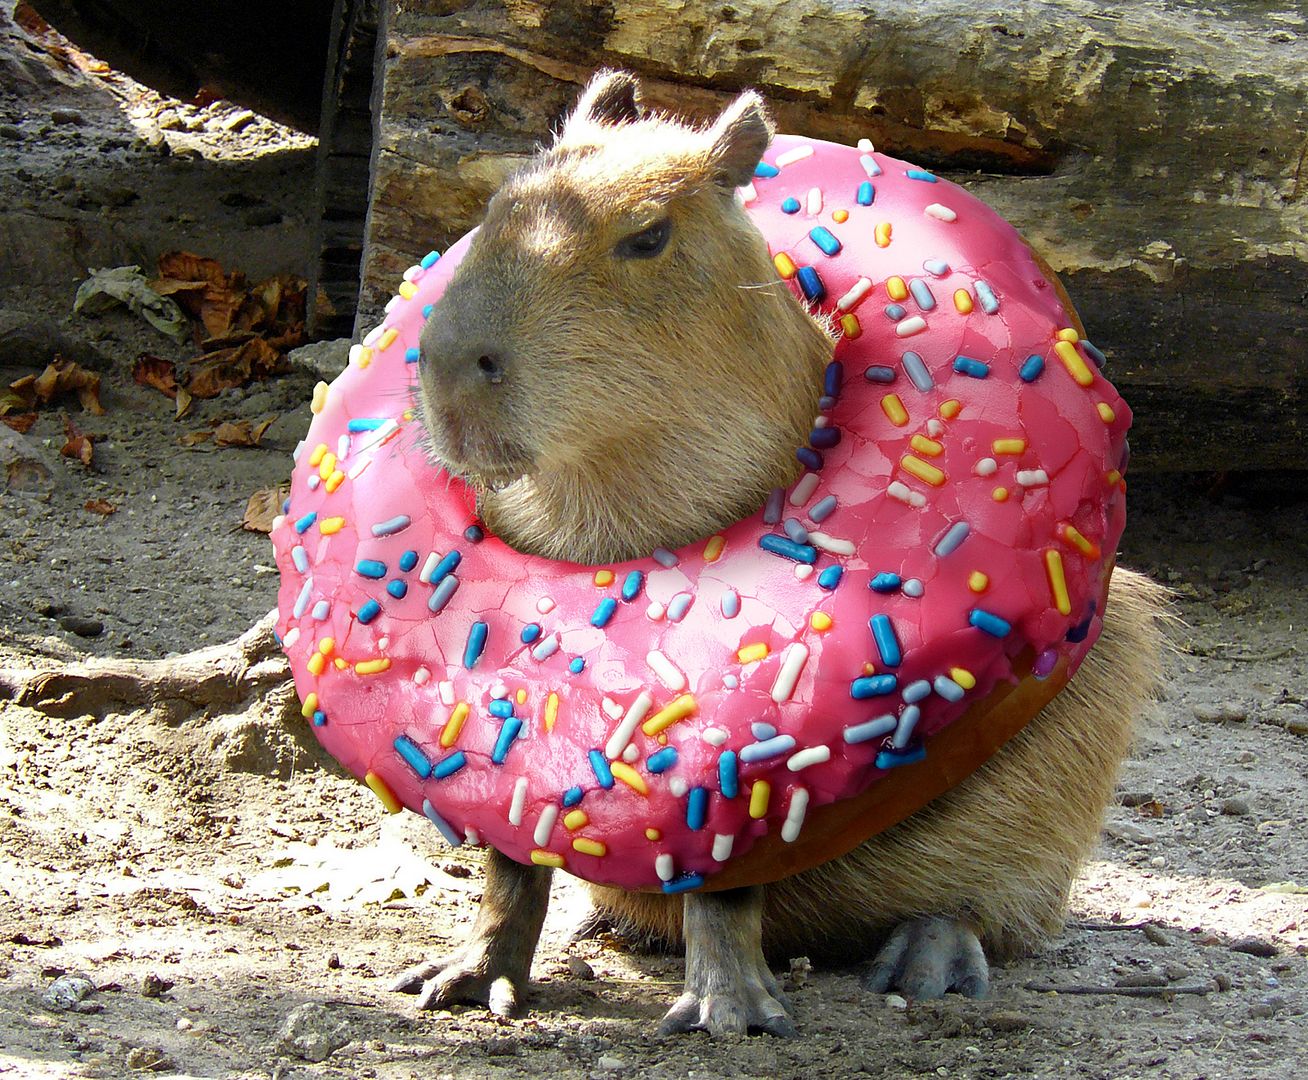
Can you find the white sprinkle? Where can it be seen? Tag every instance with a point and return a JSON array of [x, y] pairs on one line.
[[668, 675], [611, 708], [714, 736], [544, 605], [627, 727], [422, 676], [821, 421], [382, 431], [803, 571], [940, 213], [935, 428], [545, 824], [795, 815], [804, 489], [446, 690], [545, 648], [664, 867], [428, 568], [313, 481], [901, 491], [730, 682], [383, 643], [291, 637], [355, 352], [631, 753], [833, 544], [910, 326], [748, 193], [797, 153], [869, 165], [356, 470], [655, 611], [277, 522], [342, 448], [813, 755], [472, 836], [986, 466], [913, 587], [865, 146], [815, 201], [722, 844], [678, 786], [499, 690], [370, 338], [792, 663], [519, 803], [299, 449], [392, 303], [413, 273], [857, 291], [1032, 477]]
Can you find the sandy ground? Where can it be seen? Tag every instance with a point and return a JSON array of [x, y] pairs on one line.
[[209, 871]]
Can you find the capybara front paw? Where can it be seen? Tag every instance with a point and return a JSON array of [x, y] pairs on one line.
[[739, 1010], [928, 957], [471, 977]]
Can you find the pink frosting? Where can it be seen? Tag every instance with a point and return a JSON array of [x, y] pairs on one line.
[[976, 469]]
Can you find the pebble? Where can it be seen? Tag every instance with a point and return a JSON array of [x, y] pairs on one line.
[[895, 1001], [1155, 933], [81, 625], [150, 1058], [1177, 972], [10, 131], [240, 120], [153, 986], [1221, 714], [1125, 830], [333, 961], [67, 994], [1235, 807], [503, 1046], [67, 116], [801, 967], [609, 1063], [1253, 946], [580, 969], [1222, 981], [311, 1033]]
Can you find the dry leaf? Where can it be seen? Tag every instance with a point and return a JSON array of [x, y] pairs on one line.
[[155, 371], [264, 505], [78, 444], [241, 432], [100, 506], [20, 422], [194, 438], [226, 368], [183, 403], [66, 377]]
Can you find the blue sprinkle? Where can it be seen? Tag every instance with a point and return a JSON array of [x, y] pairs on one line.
[[600, 766], [871, 729], [321, 610], [954, 535], [830, 577], [426, 310], [664, 558], [922, 294], [822, 509], [412, 356], [413, 757], [364, 423], [397, 588], [286, 504], [1082, 629], [826, 404], [728, 775], [429, 260], [895, 312], [888, 759], [572, 796], [631, 585], [603, 612], [965, 365], [883, 633], [921, 174], [369, 611], [913, 587], [319, 718], [917, 372], [1031, 368], [904, 729], [769, 748], [1095, 354], [916, 691], [446, 565], [948, 689], [790, 206], [885, 582], [370, 568], [545, 648], [772, 508], [408, 561], [530, 633], [443, 592], [991, 624], [303, 524], [448, 766], [878, 374], [938, 267], [442, 826], [765, 170], [300, 558], [809, 458], [866, 193], [832, 378], [508, 733], [501, 708], [684, 884], [661, 760], [780, 545], [872, 686], [697, 808], [730, 603], [810, 283], [577, 665], [678, 606], [476, 643], [984, 293], [795, 530], [474, 534], [762, 730], [825, 239]]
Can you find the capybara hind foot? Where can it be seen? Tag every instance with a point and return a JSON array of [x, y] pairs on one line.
[[728, 985], [928, 957], [493, 966]]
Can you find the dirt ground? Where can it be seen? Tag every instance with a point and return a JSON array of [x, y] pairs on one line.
[[209, 871]]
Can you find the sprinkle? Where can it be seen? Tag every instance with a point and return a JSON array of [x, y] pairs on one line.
[[434, 569], [767, 748], [697, 808], [824, 239], [790, 206], [576, 665], [668, 674], [397, 588], [872, 686], [631, 585], [948, 689], [814, 203], [368, 611], [444, 591], [748, 654], [551, 711], [794, 154], [1076, 366], [330, 526], [1008, 446], [765, 170], [917, 372], [730, 604], [310, 704], [1057, 581], [545, 648], [664, 867], [572, 796], [627, 728], [939, 212], [839, 216], [387, 339], [904, 729], [795, 531], [801, 492], [748, 193], [869, 164], [1068, 534], [792, 664], [895, 312], [503, 743], [372, 667], [678, 709], [813, 755], [795, 815], [1094, 353], [913, 588], [501, 708], [728, 775], [655, 612], [713, 549], [810, 283], [951, 408], [781, 545], [684, 884], [833, 545], [912, 326], [882, 234], [954, 535], [529, 633], [450, 733], [587, 846], [871, 729], [785, 265], [664, 558], [629, 776], [923, 470], [1068, 333], [963, 677], [413, 756], [1032, 477], [302, 525], [926, 446], [518, 804], [600, 767], [885, 582], [883, 633], [966, 365], [383, 792], [319, 397], [894, 410], [722, 844], [300, 558], [977, 581], [442, 826], [989, 623], [822, 509], [1106, 413], [920, 174], [987, 466], [661, 760], [603, 612], [916, 691], [547, 858], [879, 374], [1000, 494], [830, 577], [759, 796], [963, 301], [678, 606], [922, 294]]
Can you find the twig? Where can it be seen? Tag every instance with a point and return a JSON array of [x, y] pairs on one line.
[[1217, 652], [1122, 991], [1090, 924]]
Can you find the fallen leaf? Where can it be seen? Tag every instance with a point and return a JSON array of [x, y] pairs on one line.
[[60, 377], [264, 505], [78, 444], [100, 506], [155, 371], [227, 368], [194, 438], [241, 432], [20, 422], [183, 403]]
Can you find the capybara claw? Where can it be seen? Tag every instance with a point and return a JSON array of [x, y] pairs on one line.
[[927, 958], [468, 978], [737, 1012]]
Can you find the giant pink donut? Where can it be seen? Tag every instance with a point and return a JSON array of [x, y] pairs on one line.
[[643, 724]]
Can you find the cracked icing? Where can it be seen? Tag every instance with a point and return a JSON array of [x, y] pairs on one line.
[[387, 697]]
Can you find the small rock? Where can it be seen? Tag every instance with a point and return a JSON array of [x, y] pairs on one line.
[[333, 962], [1008, 1020], [895, 1001], [1221, 714], [67, 992], [1245, 757], [1131, 833], [801, 967], [609, 1063], [1253, 946], [184, 1024], [1140, 899], [1177, 972], [148, 1057], [580, 969], [10, 131], [1235, 807], [1222, 981], [311, 1032], [240, 120], [503, 1046], [152, 986], [81, 625], [233, 880], [67, 116]]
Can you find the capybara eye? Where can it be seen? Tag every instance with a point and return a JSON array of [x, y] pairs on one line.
[[645, 244]]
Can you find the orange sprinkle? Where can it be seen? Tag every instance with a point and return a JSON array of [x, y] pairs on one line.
[[603, 578], [450, 732], [895, 287], [784, 264], [923, 445], [1008, 446], [383, 792], [1000, 494], [839, 216], [547, 858], [894, 410], [587, 846], [713, 549], [851, 326], [882, 234], [1106, 413], [963, 301], [923, 470], [977, 581], [951, 408], [1071, 535], [328, 526]]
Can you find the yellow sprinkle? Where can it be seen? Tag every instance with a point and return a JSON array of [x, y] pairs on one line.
[[310, 706], [629, 776], [365, 356], [1057, 581], [882, 236], [551, 711], [851, 326], [679, 709], [326, 646], [923, 445], [450, 732], [963, 677], [316, 663], [408, 289], [759, 796], [547, 858], [372, 667], [1084, 546], [576, 819], [387, 339], [869, 668], [341, 664], [1106, 413], [747, 654], [820, 621], [713, 549], [963, 301], [1008, 446], [951, 408], [653, 834], [895, 287], [839, 216], [328, 526], [1076, 367], [1068, 333], [379, 788], [521, 695], [407, 414], [784, 264], [326, 465], [977, 581], [319, 397], [603, 578], [923, 470], [1112, 477], [318, 453], [894, 410], [335, 480], [1000, 494], [587, 846]]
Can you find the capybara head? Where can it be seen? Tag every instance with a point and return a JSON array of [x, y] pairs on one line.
[[616, 337]]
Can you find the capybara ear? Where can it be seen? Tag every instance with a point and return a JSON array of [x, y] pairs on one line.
[[740, 135], [611, 97]]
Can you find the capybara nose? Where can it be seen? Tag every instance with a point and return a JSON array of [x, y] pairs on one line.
[[457, 358], [491, 366]]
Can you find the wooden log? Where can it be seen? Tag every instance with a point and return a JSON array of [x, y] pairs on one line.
[[1155, 153]]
